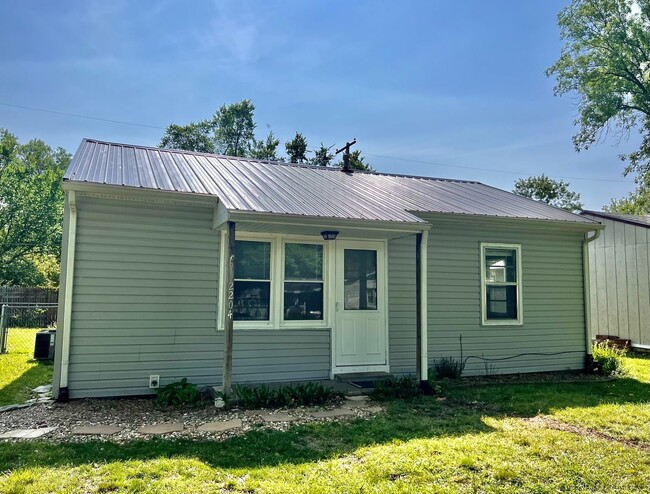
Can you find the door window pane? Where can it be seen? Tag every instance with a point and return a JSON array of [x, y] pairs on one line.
[[360, 279]]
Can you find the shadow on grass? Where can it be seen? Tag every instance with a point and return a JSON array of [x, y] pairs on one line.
[[18, 390], [463, 413]]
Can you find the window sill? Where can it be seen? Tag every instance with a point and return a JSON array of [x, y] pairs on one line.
[[502, 323]]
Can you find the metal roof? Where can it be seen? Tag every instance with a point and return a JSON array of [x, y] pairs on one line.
[[632, 219], [243, 184]]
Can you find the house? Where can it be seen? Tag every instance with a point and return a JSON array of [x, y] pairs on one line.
[[620, 278], [179, 264]]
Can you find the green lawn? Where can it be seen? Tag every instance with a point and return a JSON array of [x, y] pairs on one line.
[[479, 438], [19, 372]]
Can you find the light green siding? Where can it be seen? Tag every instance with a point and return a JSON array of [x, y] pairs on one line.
[[552, 297], [145, 302], [402, 305]]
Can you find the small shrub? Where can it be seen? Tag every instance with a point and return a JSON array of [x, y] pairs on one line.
[[178, 393], [396, 387], [307, 394], [607, 359], [449, 367]]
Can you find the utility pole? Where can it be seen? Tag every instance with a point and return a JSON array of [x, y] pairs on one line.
[[346, 156]]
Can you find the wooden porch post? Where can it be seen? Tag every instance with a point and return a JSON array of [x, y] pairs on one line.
[[230, 296]]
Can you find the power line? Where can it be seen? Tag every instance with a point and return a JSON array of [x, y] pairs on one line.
[[82, 116], [519, 174], [396, 158]]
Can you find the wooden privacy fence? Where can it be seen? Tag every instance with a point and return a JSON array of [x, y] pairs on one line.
[[10, 295]]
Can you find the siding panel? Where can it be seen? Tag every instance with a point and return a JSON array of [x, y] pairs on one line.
[[145, 302], [552, 299]]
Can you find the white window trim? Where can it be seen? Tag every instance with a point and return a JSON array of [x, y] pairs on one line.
[[276, 307], [520, 308], [323, 323]]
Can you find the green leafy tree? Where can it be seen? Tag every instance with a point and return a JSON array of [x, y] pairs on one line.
[[553, 192], [358, 162], [197, 137], [637, 202], [31, 207], [323, 156], [266, 149], [235, 128], [606, 61], [297, 149]]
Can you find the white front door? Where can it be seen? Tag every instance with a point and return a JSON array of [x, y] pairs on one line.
[[361, 333]]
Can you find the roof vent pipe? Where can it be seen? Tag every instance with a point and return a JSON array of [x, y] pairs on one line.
[[346, 156]]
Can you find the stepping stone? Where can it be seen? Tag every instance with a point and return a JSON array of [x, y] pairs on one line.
[[46, 388], [360, 398], [27, 433], [373, 409], [348, 403], [220, 426], [254, 413], [96, 430], [332, 414], [158, 429], [278, 417]]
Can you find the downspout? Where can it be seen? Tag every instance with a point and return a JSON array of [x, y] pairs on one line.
[[67, 296], [587, 286], [422, 330]]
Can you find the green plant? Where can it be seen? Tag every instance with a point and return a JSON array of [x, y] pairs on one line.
[[290, 395], [178, 393], [607, 358], [396, 387], [448, 367]]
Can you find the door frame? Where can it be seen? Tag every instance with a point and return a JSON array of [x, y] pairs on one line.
[[381, 246]]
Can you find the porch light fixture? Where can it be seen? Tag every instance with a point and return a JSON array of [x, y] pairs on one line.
[[329, 234]]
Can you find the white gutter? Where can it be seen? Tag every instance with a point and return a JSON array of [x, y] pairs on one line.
[[67, 296], [424, 342], [640, 346], [587, 286]]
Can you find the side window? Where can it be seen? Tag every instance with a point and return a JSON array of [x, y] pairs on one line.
[[303, 282], [252, 298], [501, 284]]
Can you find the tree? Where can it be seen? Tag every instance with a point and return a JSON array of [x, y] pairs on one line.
[[235, 128], [606, 61], [197, 137], [358, 162], [266, 149], [637, 202], [322, 156], [31, 207], [297, 149], [553, 192]]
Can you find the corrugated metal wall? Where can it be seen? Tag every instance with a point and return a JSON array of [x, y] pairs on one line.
[[620, 282], [552, 284]]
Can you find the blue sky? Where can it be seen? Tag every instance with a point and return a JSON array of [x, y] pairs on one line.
[[436, 83]]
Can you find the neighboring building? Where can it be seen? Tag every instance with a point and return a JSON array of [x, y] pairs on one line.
[[620, 278], [414, 259]]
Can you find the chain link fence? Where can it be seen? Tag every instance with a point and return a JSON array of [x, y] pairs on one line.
[[20, 322]]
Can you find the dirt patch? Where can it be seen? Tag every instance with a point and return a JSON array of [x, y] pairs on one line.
[[551, 423]]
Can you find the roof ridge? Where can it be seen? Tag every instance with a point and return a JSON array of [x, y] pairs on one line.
[[277, 163]]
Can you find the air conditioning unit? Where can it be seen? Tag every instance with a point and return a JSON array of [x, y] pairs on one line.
[[44, 344]]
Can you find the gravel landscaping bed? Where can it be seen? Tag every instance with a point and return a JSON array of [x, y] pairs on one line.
[[132, 414]]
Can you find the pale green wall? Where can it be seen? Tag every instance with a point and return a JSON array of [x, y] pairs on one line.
[[552, 296]]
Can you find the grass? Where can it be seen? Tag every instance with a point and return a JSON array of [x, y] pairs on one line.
[[19, 372], [479, 438]]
